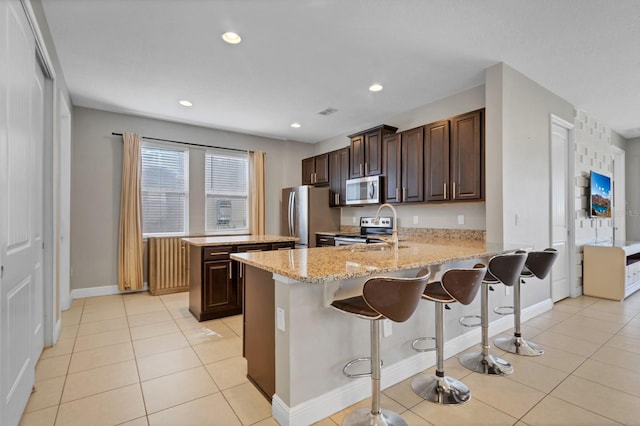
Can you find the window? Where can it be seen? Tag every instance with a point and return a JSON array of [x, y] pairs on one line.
[[164, 190], [226, 189]]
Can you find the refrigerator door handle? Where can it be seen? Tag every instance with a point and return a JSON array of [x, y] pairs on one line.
[[289, 213], [293, 221]]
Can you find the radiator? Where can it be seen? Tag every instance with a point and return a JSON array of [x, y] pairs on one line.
[[168, 265]]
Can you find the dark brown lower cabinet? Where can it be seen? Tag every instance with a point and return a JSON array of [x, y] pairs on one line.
[[259, 334], [213, 291]]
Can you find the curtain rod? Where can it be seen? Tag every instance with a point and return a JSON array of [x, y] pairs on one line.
[[186, 143]]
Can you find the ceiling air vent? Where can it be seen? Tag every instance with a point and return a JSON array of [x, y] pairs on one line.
[[328, 111]]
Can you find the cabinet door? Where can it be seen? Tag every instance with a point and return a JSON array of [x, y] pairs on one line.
[[344, 157], [466, 156], [308, 168], [412, 165], [321, 169], [392, 146], [436, 161], [219, 290], [334, 178], [357, 156], [373, 153]]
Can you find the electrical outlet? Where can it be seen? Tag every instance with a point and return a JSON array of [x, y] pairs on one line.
[[353, 220], [507, 290], [415, 220], [460, 219], [280, 319], [386, 328]]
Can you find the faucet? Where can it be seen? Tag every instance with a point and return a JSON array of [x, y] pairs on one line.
[[394, 231]]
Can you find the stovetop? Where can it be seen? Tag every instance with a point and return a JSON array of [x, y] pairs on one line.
[[369, 229]]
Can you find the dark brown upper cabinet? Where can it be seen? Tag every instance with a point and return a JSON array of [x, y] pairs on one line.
[[315, 170], [338, 175], [366, 151], [454, 158], [404, 166]]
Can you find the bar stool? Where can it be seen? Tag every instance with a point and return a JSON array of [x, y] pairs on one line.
[[382, 298], [456, 285], [538, 264], [504, 268]]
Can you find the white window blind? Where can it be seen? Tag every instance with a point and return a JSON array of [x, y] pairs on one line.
[[165, 190], [227, 190]]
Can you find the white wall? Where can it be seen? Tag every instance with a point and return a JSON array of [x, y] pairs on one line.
[[632, 194], [442, 216], [96, 175], [518, 162]]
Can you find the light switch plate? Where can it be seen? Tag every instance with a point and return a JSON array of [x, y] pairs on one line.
[[415, 220], [280, 319], [386, 328], [460, 219]]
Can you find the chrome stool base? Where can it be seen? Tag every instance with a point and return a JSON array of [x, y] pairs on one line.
[[441, 390], [517, 345], [364, 417], [486, 364]]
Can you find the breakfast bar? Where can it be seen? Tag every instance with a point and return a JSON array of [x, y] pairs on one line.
[[310, 342]]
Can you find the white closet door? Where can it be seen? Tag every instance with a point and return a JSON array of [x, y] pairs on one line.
[[21, 206]]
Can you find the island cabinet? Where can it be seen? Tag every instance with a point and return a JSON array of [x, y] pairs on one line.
[[315, 170], [325, 240], [611, 270], [216, 283], [366, 151], [213, 292], [404, 166], [454, 158], [338, 175]]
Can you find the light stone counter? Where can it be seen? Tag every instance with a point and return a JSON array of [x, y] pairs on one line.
[[314, 341], [322, 264], [225, 240]]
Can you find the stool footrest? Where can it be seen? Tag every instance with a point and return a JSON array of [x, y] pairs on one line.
[[351, 363], [503, 310], [422, 339], [464, 321]]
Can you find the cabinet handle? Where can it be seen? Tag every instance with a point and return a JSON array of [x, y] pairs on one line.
[[241, 268], [445, 190], [284, 248], [453, 191], [366, 168], [397, 194], [253, 251], [336, 199], [218, 253], [404, 194], [361, 169], [230, 271]]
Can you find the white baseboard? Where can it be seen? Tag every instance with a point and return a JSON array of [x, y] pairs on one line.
[[338, 399], [80, 293]]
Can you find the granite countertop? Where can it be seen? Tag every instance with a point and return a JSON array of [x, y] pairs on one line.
[[237, 239], [317, 265]]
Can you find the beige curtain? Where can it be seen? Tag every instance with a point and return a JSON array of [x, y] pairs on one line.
[[256, 192], [130, 243]]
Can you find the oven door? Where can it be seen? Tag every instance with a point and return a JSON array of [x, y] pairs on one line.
[[348, 241]]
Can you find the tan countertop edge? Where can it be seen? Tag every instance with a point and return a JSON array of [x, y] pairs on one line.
[[237, 239], [318, 265]]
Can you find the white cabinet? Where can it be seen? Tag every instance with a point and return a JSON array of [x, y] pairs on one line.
[[611, 270]]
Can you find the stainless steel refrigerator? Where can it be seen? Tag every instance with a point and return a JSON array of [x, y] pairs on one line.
[[304, 211]]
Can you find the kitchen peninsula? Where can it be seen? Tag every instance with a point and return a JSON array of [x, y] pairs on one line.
[[310, 342]]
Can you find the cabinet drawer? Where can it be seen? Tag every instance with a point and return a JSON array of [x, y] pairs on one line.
[[282, 246], [253, 247], [216, 253]]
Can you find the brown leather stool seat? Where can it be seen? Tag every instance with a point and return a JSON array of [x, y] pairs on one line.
[[505, 269], [382, 298], [456, 285], [538, 265]]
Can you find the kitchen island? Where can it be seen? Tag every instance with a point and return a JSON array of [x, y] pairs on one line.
[[215, 281], [312, 342]]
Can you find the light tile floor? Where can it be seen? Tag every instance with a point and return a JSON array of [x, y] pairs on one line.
[[142, 360]]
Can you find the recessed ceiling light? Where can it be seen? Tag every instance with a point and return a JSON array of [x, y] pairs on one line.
[[231, 37], [295, 125], [376, 87], [186, 103]]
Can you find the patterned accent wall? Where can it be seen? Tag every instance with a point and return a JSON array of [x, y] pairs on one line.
[[592, 152]]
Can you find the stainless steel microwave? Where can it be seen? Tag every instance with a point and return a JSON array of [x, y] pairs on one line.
[[366, 190]]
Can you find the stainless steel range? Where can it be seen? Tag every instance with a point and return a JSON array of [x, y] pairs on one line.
[[370, 232]]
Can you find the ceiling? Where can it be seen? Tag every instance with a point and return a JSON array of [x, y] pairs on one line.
[[300, 57]]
